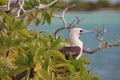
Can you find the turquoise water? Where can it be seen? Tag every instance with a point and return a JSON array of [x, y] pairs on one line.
[[106, 63]]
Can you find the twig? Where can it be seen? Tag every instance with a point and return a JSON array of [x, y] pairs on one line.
[[39, 1], [41, 6], [65, 26], [101, 48], [100, 36], [43, 31], [63, 14], [14, 6], [8, 6], [58, 30], [102, 43], [21, 4], [62, 17], [75, 22], [71, 25]]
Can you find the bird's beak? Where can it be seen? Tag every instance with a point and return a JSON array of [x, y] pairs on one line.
[[87, 31]]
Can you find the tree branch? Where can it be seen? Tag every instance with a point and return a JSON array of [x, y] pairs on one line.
[[71, 25], [62, 17], [101, 48], [8, 5], [102, 43], [14, 6], [65, 26], [21, 4], [41, 6]]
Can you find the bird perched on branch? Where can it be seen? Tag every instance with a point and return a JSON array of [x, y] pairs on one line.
[[76, 45]]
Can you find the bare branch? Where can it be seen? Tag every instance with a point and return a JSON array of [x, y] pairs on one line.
[[100, 36], [62, 17], [41, 6], [71, 25], [39, 1], [75, 22], [101, 48], [58, 30], [65, 26], [14, 6], [21, 4], [8, 6], [102, 43], [43, 31], [32, 29], [63, 14]]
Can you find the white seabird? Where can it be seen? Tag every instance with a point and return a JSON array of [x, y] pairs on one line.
[[76, 45]]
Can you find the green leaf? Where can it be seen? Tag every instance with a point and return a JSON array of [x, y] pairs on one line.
[[47, 63], [85, 61], [22, 60], [43, 74], [55, 54], [55, 44], [25, 33], [66, 66]]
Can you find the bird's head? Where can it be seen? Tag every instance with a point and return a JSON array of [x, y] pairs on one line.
[[79, 31]]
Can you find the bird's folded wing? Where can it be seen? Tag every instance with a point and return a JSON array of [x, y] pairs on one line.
[[73, 50]]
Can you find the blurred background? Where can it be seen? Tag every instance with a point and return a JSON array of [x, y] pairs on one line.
[[105, 63]]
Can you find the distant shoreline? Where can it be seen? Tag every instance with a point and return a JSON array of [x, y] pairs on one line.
[[97, 10]]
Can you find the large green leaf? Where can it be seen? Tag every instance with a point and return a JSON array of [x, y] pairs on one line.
[[66, 66], [43, 74], [56, 44], [55, 54], [47, 63], [8, 42], [25, 33]]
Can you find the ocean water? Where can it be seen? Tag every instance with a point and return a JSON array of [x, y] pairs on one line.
[[106, 63]]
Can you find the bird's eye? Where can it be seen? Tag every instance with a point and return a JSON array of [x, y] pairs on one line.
[[81, 30]]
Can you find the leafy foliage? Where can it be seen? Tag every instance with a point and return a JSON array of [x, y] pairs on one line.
[[41, 16], [3, 2], [31, 54]]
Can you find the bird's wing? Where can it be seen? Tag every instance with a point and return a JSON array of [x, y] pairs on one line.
[[73, 50]]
